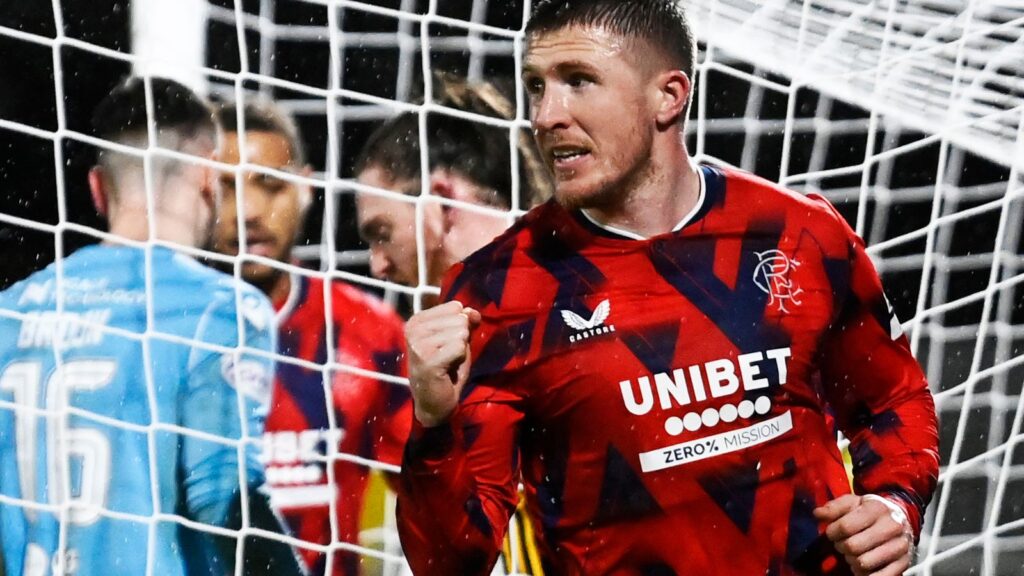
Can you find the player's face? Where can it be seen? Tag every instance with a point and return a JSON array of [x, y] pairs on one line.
[[592, 112], [388, 225], [273, 207]]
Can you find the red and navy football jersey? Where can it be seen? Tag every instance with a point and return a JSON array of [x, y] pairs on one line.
[[664, 400], [371, 417]]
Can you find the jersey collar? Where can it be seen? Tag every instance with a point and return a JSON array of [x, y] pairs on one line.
[[699, 209], [295, 290]]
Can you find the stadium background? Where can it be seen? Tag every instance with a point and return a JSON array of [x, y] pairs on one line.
[[948, 341]]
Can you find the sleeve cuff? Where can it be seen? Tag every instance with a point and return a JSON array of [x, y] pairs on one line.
[[901, 506]]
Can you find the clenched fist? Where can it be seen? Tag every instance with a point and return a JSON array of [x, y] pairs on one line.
[[872, 533], [438, 345]]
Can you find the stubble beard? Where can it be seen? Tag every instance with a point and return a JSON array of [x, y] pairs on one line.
[[262, 276], [599, 198], [612, 188], [604, 194]]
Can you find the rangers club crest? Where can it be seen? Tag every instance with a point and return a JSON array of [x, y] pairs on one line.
[[772, 276]]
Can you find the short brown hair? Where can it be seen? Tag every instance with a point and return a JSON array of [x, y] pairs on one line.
[[662, 23], [183, 121], [474, 149]]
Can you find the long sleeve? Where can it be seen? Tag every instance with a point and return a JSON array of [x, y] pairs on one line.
[[226, 397], [879, 394], [458, 486], [394, 418], [392, 425]]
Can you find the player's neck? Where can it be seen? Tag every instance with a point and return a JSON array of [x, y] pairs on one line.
[[658, 202], [279, 288]]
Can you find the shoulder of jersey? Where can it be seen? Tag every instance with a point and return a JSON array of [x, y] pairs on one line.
[[752, 193], [10, 295], [219, 291], [37, 288], [538, 218], [475, 280]]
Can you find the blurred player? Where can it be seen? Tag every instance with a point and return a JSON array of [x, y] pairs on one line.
[[128, 376], [468, 162], [371, 418], [655, 351]]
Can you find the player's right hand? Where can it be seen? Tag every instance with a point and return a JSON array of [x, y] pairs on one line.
[[439, 359], [873, 534]]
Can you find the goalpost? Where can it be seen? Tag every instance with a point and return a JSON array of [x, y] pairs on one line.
[[908, 115]]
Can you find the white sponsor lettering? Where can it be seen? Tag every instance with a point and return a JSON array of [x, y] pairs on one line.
[[311, 474], [68, 330], [295, 469], [724, 377], [36, 293], [710, 446], [116, 297], [780, 355], [291, 447], [591, 333], [749, 371], [670, 388], [302, 496], [646, 399], [80, 292]]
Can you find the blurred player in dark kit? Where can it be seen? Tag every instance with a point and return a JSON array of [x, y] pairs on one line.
[[469, 162], [371, 417]]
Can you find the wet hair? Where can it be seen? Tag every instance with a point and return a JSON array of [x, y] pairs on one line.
[[473, 149], [184, 122], [661, 23], [262, 115]]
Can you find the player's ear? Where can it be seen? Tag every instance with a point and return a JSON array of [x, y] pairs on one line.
[[209, 185], [305, 191], [98, 190], [442, 186], [673, 97]]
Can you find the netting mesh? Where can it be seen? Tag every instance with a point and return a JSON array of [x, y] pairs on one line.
[[908, 115], [951, 68]]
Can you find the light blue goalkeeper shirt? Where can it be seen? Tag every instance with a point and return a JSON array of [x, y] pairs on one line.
[[116, 423]]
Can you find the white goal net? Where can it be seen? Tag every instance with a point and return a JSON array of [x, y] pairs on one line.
[[908, 115]]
